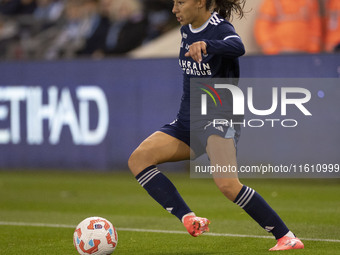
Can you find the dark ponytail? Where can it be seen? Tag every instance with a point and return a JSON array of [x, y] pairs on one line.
[[226, 8]]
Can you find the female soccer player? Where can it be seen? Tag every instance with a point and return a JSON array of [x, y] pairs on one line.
[[210, 48]]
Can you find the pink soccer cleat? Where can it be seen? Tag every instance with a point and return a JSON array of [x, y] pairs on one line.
[[287, 243], [196, 226]]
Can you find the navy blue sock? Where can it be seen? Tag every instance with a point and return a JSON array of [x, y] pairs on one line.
[[163, 191], [261, 212]]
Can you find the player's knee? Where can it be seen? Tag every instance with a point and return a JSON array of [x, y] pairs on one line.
[[134, 161], [139, 160]]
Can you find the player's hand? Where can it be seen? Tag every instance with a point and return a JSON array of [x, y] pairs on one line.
[[196, 50]]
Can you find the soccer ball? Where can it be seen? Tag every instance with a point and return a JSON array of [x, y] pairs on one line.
[[95, 235]]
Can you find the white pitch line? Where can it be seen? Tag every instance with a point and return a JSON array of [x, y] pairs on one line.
[[28, 224]]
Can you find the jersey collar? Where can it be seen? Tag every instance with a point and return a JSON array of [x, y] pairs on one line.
[[201, 28]]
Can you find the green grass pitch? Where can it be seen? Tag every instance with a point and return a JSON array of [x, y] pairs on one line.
[[39, 211]]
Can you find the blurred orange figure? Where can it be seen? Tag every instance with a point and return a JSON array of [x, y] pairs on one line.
[[332, 39], [287, 26]]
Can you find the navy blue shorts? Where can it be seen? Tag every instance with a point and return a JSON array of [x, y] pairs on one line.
[[197, 138]]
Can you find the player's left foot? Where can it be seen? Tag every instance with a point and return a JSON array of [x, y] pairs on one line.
[[287, 243], [196, 225]]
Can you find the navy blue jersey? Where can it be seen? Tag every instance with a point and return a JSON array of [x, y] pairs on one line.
[[224, 47]]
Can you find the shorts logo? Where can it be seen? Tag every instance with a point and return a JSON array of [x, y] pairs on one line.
[[218, 124], [220, 128]]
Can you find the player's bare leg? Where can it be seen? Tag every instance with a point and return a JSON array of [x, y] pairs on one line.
[[222, 151], [156, 149]]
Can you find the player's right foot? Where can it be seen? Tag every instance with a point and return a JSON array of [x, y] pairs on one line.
[[196, 225], [287, 243]]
